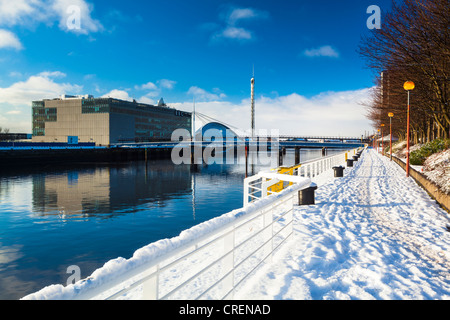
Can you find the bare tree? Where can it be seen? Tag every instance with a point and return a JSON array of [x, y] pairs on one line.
[[413, 44]]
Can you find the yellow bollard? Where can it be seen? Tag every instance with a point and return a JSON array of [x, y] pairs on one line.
[[280, 185]]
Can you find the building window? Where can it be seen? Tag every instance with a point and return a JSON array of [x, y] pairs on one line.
[[95, 106], [41, 115]]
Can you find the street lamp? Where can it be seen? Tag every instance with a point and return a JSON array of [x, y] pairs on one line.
[[390, 115], [378, 144], [408, 86], [382, 139]]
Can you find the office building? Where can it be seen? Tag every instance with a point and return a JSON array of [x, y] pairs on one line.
[[104, 121]]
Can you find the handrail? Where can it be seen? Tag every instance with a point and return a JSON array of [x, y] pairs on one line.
[[262, 183]]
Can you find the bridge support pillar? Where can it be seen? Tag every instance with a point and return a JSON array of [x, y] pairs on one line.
[[297, 155], [280, 157]]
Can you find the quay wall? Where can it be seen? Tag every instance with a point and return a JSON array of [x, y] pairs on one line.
[[433, 190], [72, 155]]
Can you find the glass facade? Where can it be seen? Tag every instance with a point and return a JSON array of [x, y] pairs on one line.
[[41, 115], [151, 123], [95, 105]]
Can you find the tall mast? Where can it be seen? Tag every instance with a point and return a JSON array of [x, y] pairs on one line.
[[253, 103], [193, 123]]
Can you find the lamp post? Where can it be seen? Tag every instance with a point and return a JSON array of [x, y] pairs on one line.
[[382, 139], [408, 86], [390, 115], [378, 144]]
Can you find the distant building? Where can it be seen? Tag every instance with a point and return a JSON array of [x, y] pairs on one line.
[[14, 136], [104, 120]]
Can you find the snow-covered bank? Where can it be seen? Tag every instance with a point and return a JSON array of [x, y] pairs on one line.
[[437, 169], [436, 166], [373, 234]]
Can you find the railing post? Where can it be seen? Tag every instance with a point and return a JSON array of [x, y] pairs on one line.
[[246, 186], [150, 287]]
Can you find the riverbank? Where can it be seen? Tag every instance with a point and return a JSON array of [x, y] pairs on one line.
[[431, 159]]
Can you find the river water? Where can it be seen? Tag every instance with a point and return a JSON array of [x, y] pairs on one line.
[[53, 217]]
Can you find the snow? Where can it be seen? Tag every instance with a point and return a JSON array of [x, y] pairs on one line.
[[372, 234], [437, 169]]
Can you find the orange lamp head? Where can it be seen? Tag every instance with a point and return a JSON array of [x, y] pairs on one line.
[[409, 85]]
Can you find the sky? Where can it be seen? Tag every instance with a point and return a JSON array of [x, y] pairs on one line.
[[309, 77]]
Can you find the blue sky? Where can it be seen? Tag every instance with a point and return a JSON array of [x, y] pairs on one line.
[[309, 77]]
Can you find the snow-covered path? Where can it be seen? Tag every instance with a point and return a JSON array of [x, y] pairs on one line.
[[373, 234]]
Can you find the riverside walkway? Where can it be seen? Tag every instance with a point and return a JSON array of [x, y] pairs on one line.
[[372, 234]]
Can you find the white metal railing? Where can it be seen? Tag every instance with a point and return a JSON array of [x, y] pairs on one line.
[[313, 168], [259, 186]]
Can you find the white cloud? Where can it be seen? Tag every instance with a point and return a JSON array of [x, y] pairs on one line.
[[15, 100], [166, 83], [28, 13], [118, 94], [147, 100], [328, 114], [62, 8], [161, 84], [236, 33], [147, 86], [17, 11], [241, 13], [324, 51], [37, 87], [233, 18], [203, 95], [9, 40], [52, 74], [154, 89]]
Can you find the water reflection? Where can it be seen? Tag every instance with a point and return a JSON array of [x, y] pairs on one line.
[[105, 192]]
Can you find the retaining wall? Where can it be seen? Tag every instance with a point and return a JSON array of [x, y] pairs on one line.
[[429, 186]]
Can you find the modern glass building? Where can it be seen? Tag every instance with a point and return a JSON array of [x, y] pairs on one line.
[[104, 121]]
